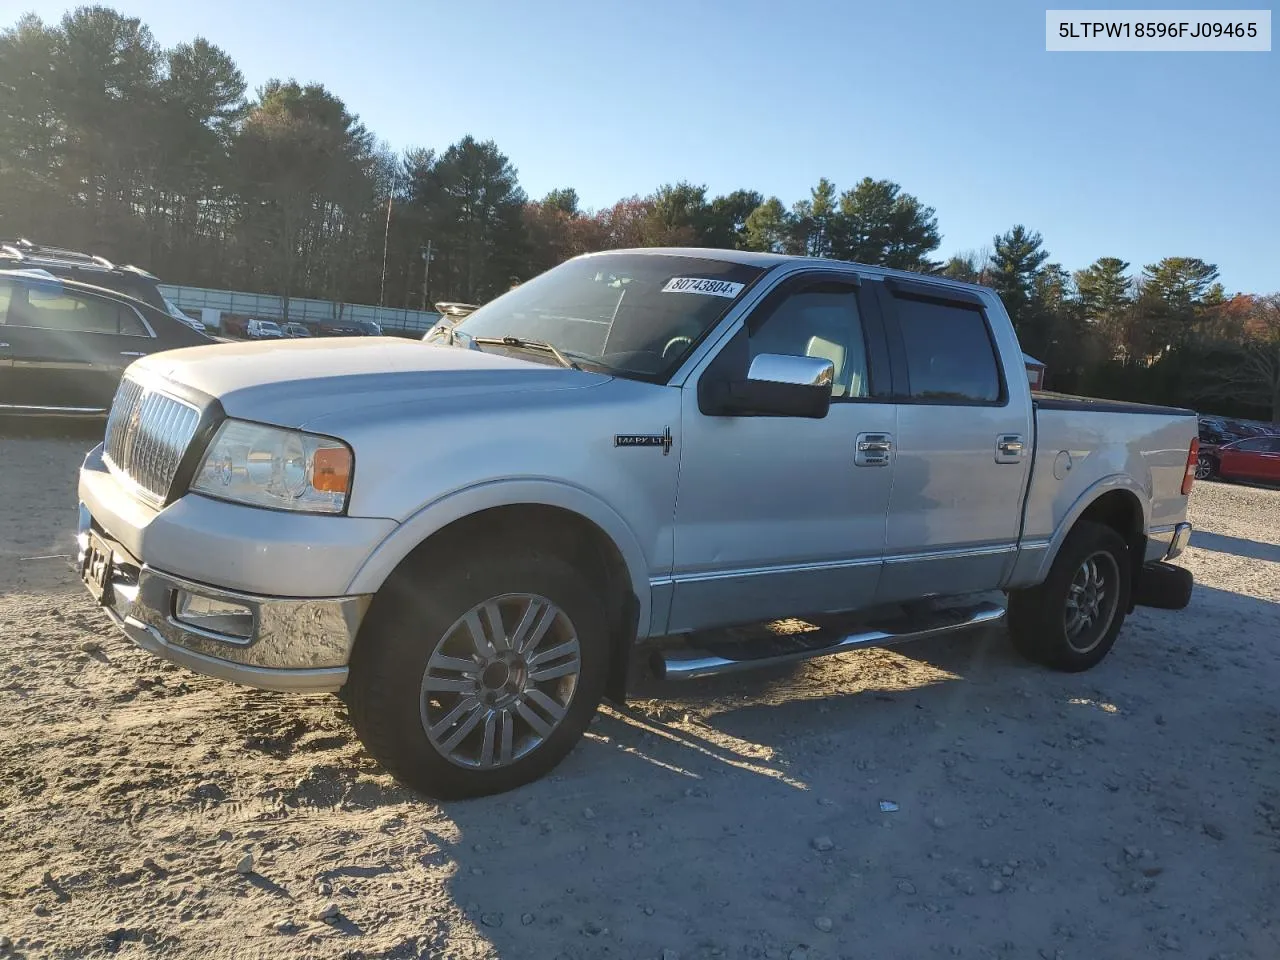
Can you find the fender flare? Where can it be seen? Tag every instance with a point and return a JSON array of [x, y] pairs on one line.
[[438, 514], [1090, 495]]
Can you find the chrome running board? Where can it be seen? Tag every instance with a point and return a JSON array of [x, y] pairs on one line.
[[732, 650]]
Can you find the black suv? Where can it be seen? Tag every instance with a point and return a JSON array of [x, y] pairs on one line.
[[64, 344]]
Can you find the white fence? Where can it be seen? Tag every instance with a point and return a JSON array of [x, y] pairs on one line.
[[203, 301]]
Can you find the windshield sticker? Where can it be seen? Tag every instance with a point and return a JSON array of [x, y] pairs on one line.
[[712, 288]]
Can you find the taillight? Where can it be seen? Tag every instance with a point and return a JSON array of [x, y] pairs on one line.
[[1193, 455]]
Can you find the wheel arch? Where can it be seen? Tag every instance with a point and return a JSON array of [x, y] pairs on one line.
[[579, 525], [1117, 502], [1214, 459]]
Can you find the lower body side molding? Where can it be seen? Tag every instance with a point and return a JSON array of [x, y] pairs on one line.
[[747, 648]]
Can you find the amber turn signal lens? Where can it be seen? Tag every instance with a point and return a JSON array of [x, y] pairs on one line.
[[331, 470]]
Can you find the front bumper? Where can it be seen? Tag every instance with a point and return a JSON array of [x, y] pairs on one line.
[[295, 644]]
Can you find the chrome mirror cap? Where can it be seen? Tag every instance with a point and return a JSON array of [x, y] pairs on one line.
[[799, 371]]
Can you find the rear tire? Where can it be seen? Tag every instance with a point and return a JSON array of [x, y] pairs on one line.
[[411, 691], [1070, 622]]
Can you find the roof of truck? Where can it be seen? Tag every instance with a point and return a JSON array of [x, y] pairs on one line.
[[768, 260]]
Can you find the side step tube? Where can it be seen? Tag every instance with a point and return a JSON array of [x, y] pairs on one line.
[[689, 663]]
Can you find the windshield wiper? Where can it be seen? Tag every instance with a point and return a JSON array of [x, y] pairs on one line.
[[528, 345]]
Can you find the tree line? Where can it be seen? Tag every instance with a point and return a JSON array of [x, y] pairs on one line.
[[161, 157]]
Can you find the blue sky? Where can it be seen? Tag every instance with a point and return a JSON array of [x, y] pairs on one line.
[[1122, 154]]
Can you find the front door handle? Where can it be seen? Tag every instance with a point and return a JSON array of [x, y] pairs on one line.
[[873, 450], [3, 344], [132, 353], [1009, 448]]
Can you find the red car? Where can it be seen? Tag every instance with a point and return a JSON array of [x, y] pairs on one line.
[[1255, 458]]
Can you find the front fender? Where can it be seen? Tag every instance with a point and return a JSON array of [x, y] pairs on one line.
[[440, 513]]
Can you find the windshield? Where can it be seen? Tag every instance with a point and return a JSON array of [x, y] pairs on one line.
[[637, 315], [268, 326]]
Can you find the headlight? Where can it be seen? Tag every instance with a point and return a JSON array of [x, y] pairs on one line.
[[273, 467]]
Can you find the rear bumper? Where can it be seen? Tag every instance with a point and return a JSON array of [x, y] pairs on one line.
[[1166, 543], [295, 644]]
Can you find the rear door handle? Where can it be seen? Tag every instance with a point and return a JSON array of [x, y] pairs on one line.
[[873, 450], [3, 344], [1009, 448], [132, 353]]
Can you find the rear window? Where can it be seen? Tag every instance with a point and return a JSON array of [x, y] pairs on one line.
[[950, 356]]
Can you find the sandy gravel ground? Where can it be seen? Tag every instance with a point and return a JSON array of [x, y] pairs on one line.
[[1133, 811]]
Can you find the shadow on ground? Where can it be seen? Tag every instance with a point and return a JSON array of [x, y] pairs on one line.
[[753, 775], [1236, 546]]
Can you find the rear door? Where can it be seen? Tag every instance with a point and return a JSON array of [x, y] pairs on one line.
[[962, 446], [67, 347]]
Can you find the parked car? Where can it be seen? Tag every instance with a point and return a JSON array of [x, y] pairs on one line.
[[263, 330], [1254, 458], [176, 312], [351, 328], [64, 344], [670, 447], [295, 330]]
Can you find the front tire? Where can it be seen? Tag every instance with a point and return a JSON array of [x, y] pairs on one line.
[[1206, 467], [1070, 622], [481, 678]]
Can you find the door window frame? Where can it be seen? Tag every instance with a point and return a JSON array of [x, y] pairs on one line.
[[945, 296], [880, 372]]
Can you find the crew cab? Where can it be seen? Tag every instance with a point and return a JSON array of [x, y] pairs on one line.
[[467, 538]]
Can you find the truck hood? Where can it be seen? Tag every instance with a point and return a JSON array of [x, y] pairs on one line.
[[289, 382]]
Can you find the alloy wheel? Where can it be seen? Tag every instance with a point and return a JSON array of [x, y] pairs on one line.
[[500, 681], [1091, 601]]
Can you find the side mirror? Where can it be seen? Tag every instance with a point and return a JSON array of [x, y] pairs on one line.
[[778, 385], [797, 371]]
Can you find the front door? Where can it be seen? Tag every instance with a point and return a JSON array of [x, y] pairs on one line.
[[962, 448], [774, 516]]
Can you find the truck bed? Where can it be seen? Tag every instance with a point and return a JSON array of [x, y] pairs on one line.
[[1047, 400], [1085, 446]]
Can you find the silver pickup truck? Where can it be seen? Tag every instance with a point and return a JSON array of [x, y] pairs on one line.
[[467, 538]]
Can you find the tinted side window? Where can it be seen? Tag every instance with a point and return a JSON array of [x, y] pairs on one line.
[[824, 322], [1256, 445], [130, 325], [950, 356], [35, 306]]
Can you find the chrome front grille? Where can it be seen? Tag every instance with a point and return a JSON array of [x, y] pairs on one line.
[[147, 434]]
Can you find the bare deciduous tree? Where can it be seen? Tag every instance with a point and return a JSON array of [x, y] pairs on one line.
[[1249, 370]]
